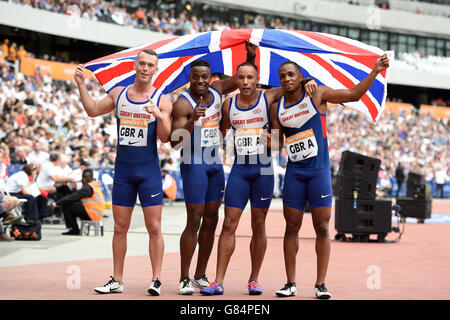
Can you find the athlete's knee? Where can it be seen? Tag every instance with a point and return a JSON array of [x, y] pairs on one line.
[[153, 227], [229, 225], [210, 222], [193, 223], [121, 229], [322, 229], [292, 229], [258, 223]]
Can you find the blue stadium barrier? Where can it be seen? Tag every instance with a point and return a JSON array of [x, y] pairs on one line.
[[106, 189]]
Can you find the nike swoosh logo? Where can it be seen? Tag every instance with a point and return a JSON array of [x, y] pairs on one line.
[[251, 151], [282, 114], [324, 196], [235, 114], [134, 142], [304, 157], [124, 105], [263, 199], [154, 195]]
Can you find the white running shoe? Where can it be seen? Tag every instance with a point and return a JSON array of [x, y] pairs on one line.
[[112, 286], [185, 288], [288, 290], [200, 283], [155, 288], [322, 292]]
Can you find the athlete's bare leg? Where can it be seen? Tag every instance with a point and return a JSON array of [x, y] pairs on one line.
[[206, 236], [321, 217], [188, 239], [122, 218], [258, 244], [227, 241], [152, 216], [293, 218]]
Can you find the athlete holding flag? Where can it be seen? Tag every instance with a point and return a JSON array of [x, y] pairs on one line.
[[302, 119], [143, 113], [196, 117]]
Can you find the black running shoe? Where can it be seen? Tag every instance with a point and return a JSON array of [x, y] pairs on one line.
[[322, 292]]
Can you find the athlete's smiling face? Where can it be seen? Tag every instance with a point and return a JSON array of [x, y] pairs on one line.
[[145, 66], [247, 80], [290, 77], [199, 78]]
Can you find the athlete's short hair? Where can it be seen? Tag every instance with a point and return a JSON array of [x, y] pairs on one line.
[[248, 64], [200, 63], [148, 51], [295, 64]]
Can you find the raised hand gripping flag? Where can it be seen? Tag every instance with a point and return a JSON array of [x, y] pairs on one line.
[[334, 61]]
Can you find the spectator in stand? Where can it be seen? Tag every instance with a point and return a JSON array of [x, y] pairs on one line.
[[441, 178], [19, 157], [141, 17], [3, 175], [37, 155], [5, 48], [7, 203], [400, 177], [51, 174], [21, 52], [12, 54], [18, 185], [4, 154]]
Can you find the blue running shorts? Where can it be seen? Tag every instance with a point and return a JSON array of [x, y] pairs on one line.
[[143, 179], [311, 185], [202, 182], [246, 182]]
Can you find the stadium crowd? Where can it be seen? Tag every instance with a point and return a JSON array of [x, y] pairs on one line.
[[182, 21]]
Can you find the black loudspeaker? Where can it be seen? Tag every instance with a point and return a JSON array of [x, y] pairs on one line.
[[415, 186], [415, 178], [369, 217], [414, 208], [365, 187], [355, 164]]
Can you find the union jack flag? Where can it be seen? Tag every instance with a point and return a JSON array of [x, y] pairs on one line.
[[331, 60]]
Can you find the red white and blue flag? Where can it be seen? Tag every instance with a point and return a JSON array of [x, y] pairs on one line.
[[334, 61]]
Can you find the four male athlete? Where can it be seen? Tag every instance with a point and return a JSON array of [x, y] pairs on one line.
[[199, 122]]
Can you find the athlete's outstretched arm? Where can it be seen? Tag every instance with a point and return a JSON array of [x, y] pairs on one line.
[[163, 116], [225, 120], [354, 94], [92, 107], [230, 84]]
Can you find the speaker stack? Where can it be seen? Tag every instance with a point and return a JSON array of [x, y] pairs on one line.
[[417, 203], [357, 212]]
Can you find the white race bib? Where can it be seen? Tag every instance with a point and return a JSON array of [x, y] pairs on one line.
[[210, 133], [302, 145], [133, 132], [247, 141]]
